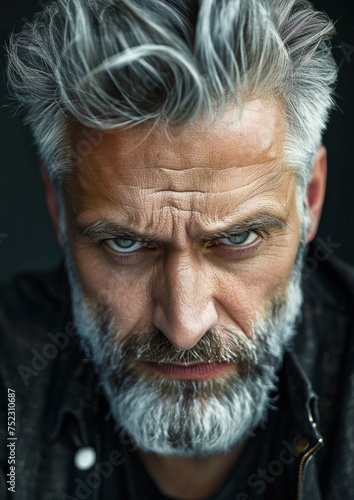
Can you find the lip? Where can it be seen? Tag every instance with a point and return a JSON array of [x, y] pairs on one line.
[[190, 371]]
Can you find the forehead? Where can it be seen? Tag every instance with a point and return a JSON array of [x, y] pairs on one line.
[[189, 168], [255, 133]]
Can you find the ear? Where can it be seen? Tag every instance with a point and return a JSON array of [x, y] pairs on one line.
[[51, 199], [316, 191]]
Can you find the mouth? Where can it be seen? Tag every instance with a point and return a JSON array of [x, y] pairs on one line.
[[188, 371]]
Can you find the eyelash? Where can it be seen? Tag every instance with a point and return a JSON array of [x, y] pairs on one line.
[[260, 234], [120, 257], [241, 251]]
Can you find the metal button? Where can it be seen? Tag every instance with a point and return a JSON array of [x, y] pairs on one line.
[[85, 458], [301, 444]]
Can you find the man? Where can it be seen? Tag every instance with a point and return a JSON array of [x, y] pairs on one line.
[[188, 355]]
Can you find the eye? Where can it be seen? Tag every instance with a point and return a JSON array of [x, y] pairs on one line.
[[125, 246], [245, 238]]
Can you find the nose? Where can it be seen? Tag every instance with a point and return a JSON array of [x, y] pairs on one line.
[[184, 307]]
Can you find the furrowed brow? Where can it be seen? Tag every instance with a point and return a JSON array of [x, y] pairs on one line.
[[264, 221], [103, 229]]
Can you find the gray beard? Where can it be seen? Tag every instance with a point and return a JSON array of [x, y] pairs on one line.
[[189, 417]]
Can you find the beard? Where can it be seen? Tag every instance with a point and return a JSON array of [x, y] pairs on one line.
[[189, 417]]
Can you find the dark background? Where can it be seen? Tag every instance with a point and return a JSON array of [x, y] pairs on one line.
[[27, 240]]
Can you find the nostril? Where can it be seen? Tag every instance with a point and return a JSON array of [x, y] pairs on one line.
[[184, 332]]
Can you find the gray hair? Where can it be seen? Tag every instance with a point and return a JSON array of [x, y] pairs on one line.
[[117, 63]]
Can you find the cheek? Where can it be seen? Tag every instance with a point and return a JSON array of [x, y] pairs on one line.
[[125, 295], [249, 288]]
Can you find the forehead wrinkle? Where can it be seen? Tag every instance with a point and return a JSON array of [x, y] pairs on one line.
[[206, 199], [102, 176], [137, 196], [210, 183], [197, 206], [191, 214], [178, 158]]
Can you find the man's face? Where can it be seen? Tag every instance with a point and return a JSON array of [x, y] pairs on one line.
[[175, 195], [181, 237]]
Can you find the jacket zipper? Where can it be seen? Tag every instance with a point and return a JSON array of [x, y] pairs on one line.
[[302, 465]]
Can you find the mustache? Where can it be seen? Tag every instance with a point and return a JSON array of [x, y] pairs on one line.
[[218, 344], [221, 343]]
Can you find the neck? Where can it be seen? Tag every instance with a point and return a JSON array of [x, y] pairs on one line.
[[189, 478]]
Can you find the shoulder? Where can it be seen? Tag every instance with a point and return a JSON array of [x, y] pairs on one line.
[[324, 342], [34, 296], [325, 348], [328, 294], [326, 330], [328, 276], [34, 310]]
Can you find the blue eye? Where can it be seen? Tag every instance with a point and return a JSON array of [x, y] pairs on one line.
[[125, 246], [244, 238]]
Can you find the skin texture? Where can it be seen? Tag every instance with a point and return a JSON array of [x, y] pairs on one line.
[[179, 191], [176, 192]]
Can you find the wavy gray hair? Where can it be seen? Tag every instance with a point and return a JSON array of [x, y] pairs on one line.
[[117, 63]]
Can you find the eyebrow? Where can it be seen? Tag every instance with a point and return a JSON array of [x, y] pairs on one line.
[[263, 221], [104, 229]]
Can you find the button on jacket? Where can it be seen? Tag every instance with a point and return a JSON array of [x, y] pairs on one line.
[[68, 447]]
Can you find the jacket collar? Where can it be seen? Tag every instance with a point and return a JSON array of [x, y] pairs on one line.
[[301, 397]]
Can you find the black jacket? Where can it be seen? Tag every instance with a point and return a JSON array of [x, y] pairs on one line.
[[305, 451]]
